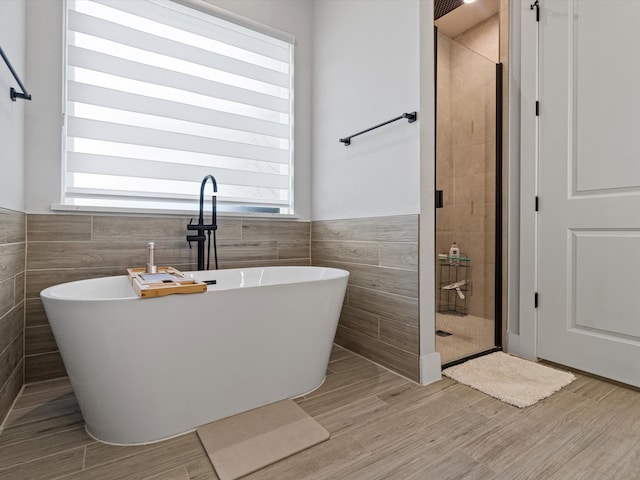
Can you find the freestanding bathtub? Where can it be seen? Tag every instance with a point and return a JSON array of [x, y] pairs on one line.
[[148, 369]]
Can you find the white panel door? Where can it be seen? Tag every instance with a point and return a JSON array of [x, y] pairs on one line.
[[589, 186]]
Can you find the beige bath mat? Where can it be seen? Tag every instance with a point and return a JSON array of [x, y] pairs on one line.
[[249, 441], [511, 379]]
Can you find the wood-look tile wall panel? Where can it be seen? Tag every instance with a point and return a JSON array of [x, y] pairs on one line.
[[289, 250], [35, 316], [352, 252], [11, 325], [399, 255], [11, 357], [12, 306], [403, 309], [39, 340], [135, 228], [363, 322], [44, 366], [229, 229], [11, 260], [264, 263], [7, 295], [58, 228], [396, 359], [246, 250], [65, 248], [379, 318], [397, 228], [13, 227], [399, 335], [19, 287], [10, 389], [38, 280], [125, 253], [275, 230], [382, 279]]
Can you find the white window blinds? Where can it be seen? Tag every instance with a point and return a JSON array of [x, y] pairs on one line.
[[158, 95]]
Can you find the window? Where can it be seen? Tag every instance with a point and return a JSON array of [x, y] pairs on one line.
[[158, 95]]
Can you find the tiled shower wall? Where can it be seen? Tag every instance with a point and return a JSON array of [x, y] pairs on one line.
[[380, 314], [12, 261], [63, 248], [466, 156]]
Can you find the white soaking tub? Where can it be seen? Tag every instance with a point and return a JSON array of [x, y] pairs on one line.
[[148, 369]]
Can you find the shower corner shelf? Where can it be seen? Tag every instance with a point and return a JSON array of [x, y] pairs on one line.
[[453, 285]]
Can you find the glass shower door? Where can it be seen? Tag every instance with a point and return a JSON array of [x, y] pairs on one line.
[[466, 177]]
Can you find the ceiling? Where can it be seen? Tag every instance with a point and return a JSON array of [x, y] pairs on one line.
[[466, 16]]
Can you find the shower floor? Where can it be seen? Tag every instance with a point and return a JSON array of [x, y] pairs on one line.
[[469, 335]]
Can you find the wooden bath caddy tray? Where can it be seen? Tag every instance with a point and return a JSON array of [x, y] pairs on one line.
[[167, 281]]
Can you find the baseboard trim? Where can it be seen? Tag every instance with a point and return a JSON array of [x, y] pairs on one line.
[[521, 349], [430, 368]]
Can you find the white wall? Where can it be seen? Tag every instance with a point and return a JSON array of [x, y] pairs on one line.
[[12, 39], [43, 119], [366, 71], [374, 60], [44, 51]]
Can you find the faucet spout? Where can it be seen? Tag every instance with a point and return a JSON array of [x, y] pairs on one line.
[[213, 199], [201, 227]]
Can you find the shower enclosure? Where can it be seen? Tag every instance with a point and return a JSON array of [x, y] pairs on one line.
[[468, 206]]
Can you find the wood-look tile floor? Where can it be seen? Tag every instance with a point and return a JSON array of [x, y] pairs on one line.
[[382, 427]]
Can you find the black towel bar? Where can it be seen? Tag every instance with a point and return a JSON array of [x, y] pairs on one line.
[[412, 117], [12, 91]]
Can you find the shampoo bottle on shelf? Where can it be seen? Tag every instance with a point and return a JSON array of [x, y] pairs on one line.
[[454, 253]]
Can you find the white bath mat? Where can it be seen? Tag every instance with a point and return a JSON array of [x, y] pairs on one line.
[[249, 441], [511, 379]]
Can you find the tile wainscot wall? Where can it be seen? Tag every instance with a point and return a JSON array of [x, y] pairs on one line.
[[380, 314], [64, 248], [12, 294]]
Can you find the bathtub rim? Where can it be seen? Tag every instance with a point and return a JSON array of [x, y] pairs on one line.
[[50, 292]]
